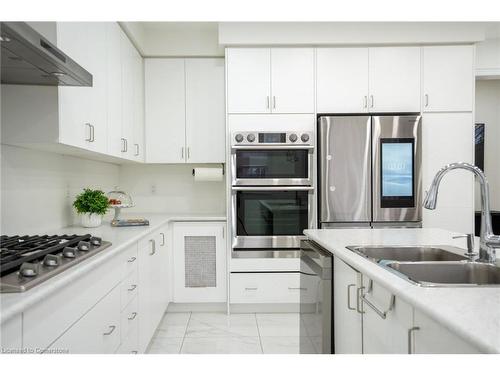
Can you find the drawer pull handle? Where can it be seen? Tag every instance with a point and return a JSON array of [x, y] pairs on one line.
[[131, 260], [290, 288], [153, 247], [162, 239], [359, 291], [251, 288], [132, 287], [134, 352], [132, 317], [349, 297], [112, 329], [410, 335]]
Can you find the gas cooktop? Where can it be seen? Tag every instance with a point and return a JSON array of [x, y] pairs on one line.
[[27, 261]]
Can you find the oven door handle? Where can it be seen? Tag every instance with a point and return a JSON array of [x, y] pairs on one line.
[[272, 188], [272, 147]]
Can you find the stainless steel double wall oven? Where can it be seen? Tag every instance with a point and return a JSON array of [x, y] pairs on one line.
[[272, 189]]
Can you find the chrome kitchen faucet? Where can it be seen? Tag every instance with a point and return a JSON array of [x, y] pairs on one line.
[[489, 242]]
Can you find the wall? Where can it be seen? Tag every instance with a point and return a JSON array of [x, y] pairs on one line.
[[488, 112], [170, 188], [38, 188]]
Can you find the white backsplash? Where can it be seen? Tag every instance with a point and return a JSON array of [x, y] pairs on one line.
[[171, 188], [38, 188]]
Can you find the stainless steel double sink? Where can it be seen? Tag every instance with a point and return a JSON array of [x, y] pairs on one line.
[[437, 266]]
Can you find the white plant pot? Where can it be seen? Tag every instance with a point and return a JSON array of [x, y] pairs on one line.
[[91, 220]]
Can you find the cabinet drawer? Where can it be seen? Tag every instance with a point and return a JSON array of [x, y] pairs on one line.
[[97, 332], [267, 288], [129, 319], [130, 345], [129, 288], [129, 261]]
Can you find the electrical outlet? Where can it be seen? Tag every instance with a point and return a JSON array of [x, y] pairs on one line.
[[153, 189]]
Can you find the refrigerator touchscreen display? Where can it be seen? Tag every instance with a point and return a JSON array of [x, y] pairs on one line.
[[397, 172]]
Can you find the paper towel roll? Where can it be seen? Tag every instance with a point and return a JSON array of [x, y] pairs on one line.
[[207, 174]]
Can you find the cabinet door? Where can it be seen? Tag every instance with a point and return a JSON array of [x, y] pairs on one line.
[[389, 334], [292, 80], [165, 110], [342, 80], [394, 79], [348, 319], [127, 56], [114, 89], [97, 332], [205, 112], [138, 126], [448, 78], [429, 337], [248, 80], [455, 208], [199, 257]]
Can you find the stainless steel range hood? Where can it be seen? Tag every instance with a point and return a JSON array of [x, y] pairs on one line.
[[30, 59]]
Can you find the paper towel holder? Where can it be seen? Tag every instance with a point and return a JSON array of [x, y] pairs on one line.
[[223, 170]]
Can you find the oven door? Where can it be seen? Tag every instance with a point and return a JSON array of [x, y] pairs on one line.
[[271, 216], [271, 166]]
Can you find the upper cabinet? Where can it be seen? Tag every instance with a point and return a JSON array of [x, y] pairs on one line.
[[270, 80], [82, 110], [185, 110], [342, 80], [357, 80], [394, 79], [448, 84]]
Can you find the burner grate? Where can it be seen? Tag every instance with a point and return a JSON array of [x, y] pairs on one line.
[[15, 250]]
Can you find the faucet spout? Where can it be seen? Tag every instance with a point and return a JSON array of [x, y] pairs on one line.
[[489, 242]]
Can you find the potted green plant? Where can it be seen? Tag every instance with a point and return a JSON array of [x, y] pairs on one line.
[[91, 205]]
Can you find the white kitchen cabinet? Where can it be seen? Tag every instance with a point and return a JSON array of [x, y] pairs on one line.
[[429, 337], [292, 80], [394, 79], [11, 335], [386, 321], [153, 285], [342, 80], [97, 332], [348, 319], [199, 262], [248, 80], [264, 80], [263, 287], [185, 110], [205, 116], [448, 138], [448, 82], [138, 153], [114, 88], [82, 110], [165, 110]]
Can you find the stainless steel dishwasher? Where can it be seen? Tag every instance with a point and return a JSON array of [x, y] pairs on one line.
[[316, 292]]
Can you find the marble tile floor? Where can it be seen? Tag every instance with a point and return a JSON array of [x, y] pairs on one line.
[[219, 333]]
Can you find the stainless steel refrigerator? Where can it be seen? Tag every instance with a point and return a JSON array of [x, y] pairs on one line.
[[370, 171]]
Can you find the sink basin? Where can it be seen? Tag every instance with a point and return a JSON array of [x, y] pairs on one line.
[[409, 253], [448, 273]]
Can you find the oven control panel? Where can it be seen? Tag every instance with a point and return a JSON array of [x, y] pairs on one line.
[[299, 138]]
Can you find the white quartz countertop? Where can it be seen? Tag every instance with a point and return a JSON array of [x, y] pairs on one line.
[[472, 313], [121, 238]]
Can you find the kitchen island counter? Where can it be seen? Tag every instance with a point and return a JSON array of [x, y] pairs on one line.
[[473, 313]]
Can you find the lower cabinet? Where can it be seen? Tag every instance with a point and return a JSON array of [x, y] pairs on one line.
[[11, 335], [348, 320], [369, 319], [199, 262], [154, 289], [269, 287], [98, 331]]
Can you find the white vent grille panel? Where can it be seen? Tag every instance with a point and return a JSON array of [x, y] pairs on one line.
[[200, 257]]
